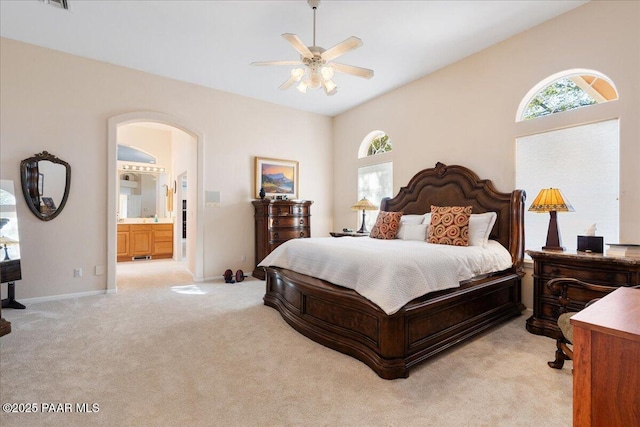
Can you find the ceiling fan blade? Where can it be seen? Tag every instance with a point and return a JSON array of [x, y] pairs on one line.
[[341, 48], [354, 71], [277, 63], [286, 85], [298, 45]]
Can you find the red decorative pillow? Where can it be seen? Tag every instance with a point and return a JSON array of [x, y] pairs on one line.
[[386, 225], [449, 225]]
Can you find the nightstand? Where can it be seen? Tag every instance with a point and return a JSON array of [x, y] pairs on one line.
[[589, 267], [348, 234]]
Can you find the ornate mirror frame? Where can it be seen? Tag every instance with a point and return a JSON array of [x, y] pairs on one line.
[[31, 181]]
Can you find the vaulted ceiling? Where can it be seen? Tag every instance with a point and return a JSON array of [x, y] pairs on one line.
[[212, 43]]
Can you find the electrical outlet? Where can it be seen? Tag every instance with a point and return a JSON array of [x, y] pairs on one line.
[[99, 270], [77, 272], [243, 258]]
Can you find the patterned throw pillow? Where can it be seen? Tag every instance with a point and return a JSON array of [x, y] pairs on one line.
[[386, 225], [449, 225]]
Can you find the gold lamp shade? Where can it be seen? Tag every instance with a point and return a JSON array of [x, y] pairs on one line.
[[553, 201], [365, 205]]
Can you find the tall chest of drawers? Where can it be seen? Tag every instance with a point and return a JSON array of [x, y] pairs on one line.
[[277, 221], [593, 268]]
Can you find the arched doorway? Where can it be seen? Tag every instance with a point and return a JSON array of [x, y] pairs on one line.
[[195, 258]]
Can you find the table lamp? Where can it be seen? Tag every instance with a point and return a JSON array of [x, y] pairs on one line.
[[553, 201], [365, 205], [4, 241]]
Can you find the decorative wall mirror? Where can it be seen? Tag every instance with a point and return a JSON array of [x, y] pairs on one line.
[[45, 184]]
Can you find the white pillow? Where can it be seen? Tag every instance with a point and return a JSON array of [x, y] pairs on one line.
[[409, 220], [480, 226], [415, 232]]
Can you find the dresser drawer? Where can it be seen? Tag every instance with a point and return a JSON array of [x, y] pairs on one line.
[[288, 221], [598, 277], [284, 210], [550, 308], [289, 233]]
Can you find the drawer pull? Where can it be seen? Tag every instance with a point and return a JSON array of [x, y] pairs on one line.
[[555, 271], [276, 235], [276, 222], [302, 234], [302, 222], [279, 210]]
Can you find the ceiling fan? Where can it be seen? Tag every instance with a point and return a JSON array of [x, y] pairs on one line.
[[319, 67]]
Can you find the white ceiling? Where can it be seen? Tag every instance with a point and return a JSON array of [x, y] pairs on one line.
[[212, 43]]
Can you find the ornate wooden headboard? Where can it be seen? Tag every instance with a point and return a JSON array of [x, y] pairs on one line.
[[458, 186]]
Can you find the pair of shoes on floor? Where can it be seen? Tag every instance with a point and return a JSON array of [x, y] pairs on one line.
[[229, 278]]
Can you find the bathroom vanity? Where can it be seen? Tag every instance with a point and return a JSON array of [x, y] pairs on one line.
[[140, 240]]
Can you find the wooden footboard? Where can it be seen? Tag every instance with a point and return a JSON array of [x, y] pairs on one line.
[[343, 320]]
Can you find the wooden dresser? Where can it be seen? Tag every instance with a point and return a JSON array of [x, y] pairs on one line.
[[606, 361], [593, 268], [277, 221]]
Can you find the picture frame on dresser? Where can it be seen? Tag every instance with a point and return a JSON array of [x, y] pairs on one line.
[[277, 177]]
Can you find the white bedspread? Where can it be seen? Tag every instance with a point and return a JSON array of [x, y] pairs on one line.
[[389, 273]]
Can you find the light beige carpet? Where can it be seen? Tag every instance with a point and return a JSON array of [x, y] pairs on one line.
[[211, 354]]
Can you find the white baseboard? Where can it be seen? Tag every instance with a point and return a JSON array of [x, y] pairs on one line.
[[66, 296]]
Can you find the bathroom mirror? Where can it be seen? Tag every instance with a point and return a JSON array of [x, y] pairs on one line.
[[45, 184], [142, 195]]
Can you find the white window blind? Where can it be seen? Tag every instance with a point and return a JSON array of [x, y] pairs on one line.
[[583, 162]]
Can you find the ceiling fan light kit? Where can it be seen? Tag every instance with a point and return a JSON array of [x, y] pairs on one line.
[[317, 69]]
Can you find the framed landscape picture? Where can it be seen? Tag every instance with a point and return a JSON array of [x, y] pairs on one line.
[[279, 178]]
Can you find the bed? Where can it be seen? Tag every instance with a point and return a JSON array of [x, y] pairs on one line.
[[391, 344]]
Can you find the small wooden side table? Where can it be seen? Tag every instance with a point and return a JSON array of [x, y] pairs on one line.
[[606, 355], [348, 234]]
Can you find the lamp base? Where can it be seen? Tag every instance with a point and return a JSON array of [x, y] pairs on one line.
[[554, 248], [363, 229], [554, 240]]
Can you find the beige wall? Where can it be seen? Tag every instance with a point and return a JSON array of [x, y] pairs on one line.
[[465, 113], [61, 103]]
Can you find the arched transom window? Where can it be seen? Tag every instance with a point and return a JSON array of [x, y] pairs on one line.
[[566, 91], [376, 142]]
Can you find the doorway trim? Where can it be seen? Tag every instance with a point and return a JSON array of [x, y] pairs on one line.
[[112, 180]]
